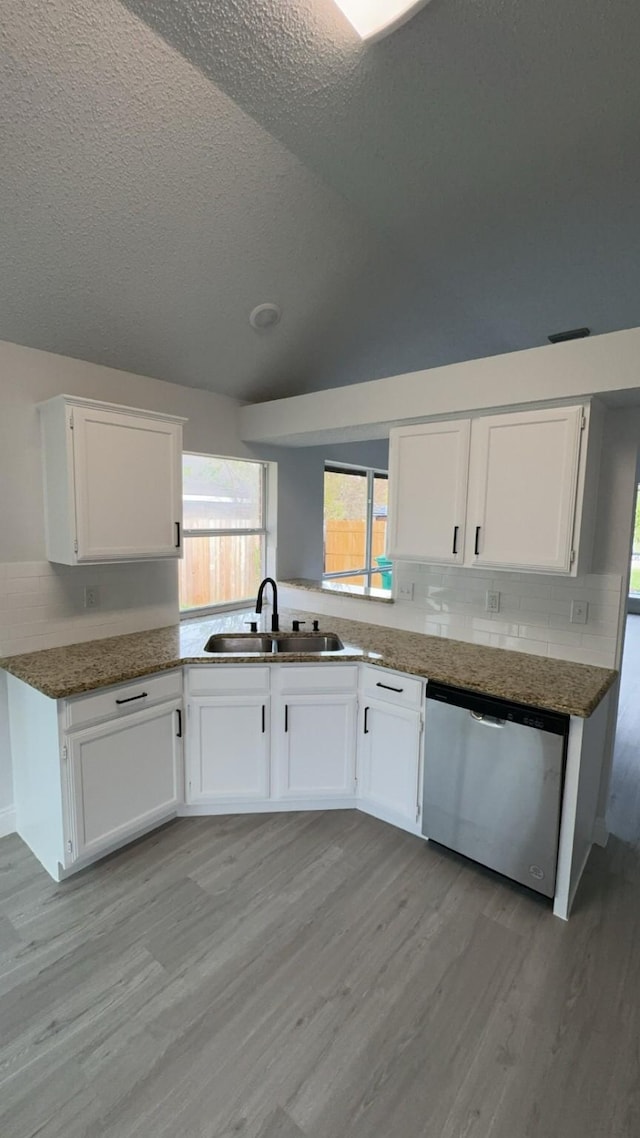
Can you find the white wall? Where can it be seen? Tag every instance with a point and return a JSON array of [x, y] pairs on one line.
[[574, 370]]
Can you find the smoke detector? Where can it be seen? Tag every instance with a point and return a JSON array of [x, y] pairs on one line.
[[265, 316]]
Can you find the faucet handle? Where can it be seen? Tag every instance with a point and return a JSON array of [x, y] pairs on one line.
[[316, 626], [254, 625], [296, 625]]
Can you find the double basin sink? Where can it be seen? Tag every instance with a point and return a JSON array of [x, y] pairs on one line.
[[248, 643]]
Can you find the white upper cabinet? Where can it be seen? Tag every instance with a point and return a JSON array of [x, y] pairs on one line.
[[530, 487], [428, 471], [113, 482], [523, 496]]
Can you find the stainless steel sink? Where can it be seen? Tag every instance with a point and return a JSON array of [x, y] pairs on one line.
[[309, 642], [239, 643]]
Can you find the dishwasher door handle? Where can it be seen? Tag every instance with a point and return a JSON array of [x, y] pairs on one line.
[[488, 720]]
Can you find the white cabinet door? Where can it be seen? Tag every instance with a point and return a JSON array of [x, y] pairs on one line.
[[123, 776], [315, 746], [428, 468], [389, 752], [228, 749], [523, 487], [128, 486]]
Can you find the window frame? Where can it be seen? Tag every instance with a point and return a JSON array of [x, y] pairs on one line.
[[370, 472], [241, 602]]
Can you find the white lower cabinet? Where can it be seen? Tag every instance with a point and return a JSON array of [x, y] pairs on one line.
[[389, 763], [290, 738], [123, 777], [390, 747], [228, 749], [95, 771], [315, 748], [100, 769]]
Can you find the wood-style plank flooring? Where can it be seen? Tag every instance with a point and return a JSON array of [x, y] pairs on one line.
[[316, 976]]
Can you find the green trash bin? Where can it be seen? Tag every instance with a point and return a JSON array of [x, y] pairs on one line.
[[386, 576]]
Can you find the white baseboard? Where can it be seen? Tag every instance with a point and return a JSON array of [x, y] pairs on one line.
[[600, 832], [265, 806], [7, 821]]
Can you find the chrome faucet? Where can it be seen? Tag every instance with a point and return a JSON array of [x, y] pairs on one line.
[[275, 625]]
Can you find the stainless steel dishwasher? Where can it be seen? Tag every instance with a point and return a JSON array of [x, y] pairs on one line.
[[493, 779]]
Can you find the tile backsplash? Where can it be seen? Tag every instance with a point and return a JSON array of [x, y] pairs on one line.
[[534, 610], [42, 605]]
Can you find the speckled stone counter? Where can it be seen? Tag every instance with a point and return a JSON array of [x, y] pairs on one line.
[[558, 685], [342, 588]]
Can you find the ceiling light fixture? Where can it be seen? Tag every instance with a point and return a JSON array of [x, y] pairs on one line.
[[373, 19], [264, 316]]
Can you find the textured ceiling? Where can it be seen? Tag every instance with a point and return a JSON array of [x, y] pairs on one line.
[[460, 189]]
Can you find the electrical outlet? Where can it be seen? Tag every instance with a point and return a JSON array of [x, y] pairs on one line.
[[579, 612], [406, 591], [91, 597], [492, 602]]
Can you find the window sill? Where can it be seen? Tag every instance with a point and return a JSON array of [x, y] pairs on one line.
[[355, 592]]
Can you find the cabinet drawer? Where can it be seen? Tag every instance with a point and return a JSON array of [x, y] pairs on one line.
[[392, 687], [109, 703], [223, 679], [309, 678]]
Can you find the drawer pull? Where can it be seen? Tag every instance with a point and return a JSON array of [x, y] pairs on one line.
[[388, 687], [366, 720], [143, 695]]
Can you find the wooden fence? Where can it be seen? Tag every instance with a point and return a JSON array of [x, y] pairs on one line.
[[216, 570], [344, 546]]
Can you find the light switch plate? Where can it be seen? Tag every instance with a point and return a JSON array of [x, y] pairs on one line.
[[406, 591], [579, 612], [492, 602]]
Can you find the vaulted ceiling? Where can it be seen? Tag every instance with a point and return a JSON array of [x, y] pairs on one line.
[[460, 189]]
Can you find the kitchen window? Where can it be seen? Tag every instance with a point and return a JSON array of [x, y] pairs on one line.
[[355, 526], [225, 533]]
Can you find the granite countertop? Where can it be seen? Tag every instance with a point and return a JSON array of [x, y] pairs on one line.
[[557, 685], [324, 585]]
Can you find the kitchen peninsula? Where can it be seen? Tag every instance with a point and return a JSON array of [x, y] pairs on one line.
[[93, 771]]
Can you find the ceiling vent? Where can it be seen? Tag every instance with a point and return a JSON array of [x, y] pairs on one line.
[[572, 334]]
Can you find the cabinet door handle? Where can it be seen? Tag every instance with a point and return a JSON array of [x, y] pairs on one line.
[[177, 535], [131, 698], [455, 539], [263, 718], [286, 717], [476, 548], [388, 687], [179, 731], [366, 720]]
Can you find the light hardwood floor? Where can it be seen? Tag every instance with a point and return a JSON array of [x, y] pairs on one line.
[[314, 976]]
